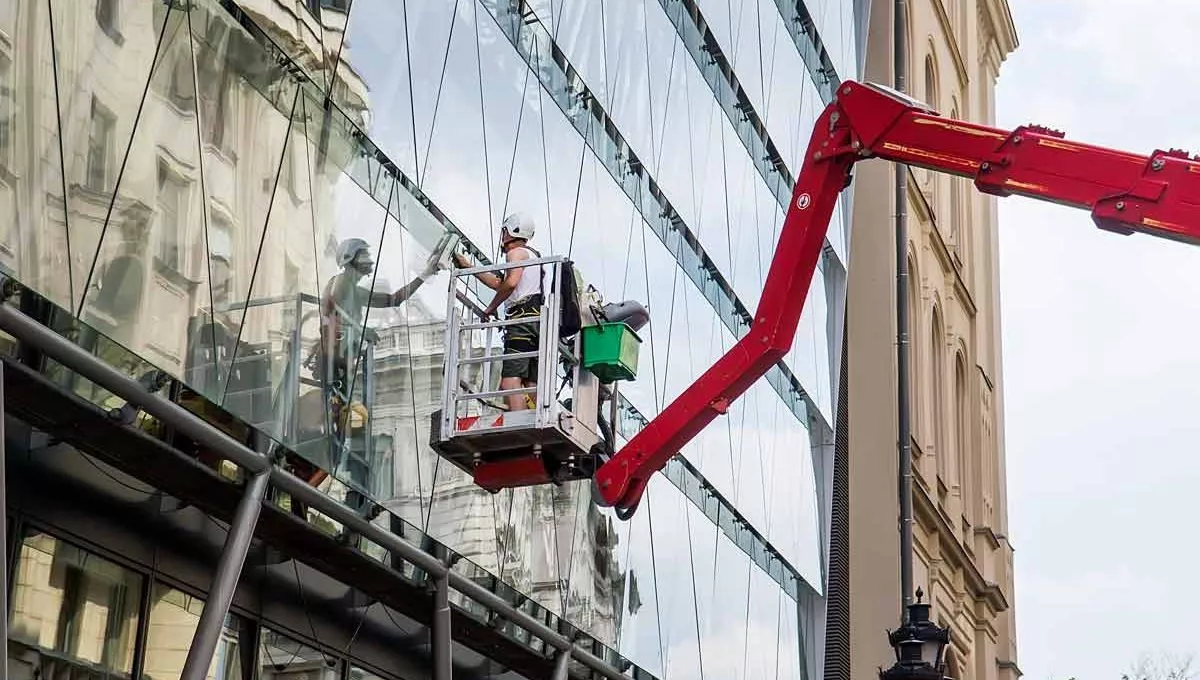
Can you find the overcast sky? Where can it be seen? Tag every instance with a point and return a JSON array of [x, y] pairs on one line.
[[1102, 352]]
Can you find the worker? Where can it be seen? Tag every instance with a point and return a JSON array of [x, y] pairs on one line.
[[521, 293], [343, 306], [344, 302]]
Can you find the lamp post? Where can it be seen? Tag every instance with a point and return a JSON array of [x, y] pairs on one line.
[[920, 646]]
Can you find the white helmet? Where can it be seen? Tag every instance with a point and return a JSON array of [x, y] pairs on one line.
[[347, 250], [519, 225]]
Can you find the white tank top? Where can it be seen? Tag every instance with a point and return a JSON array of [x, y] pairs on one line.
[[530, 282]]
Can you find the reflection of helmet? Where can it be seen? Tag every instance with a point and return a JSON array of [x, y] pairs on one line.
[[519, 225], [349, 248]]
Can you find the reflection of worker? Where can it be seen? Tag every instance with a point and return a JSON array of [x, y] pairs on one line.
[[524, 289], [344, 301]]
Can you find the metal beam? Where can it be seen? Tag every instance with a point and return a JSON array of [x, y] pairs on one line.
[[26, 330], [443, 669], [229, 569], [560, 668]]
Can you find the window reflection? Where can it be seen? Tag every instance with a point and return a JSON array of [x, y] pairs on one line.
[[174, 616], [282, 658], [72, 613]]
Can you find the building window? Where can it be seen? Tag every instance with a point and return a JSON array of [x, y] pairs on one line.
[[339, 5], [8, 104], [220, 258], [955, 200], [182, 86], [171, 192], [937, 389], [931, 92], [174, 617], [73, 614], [100, 152], [108, 15], [962, 434], [287, 168], [914, 362], [216, 79]]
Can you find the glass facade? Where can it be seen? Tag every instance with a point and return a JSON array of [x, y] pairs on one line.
[[178, 177]]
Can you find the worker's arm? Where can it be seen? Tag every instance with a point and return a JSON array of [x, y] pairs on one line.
[[509, 283], [395, 299], [492, 280], [502, 282]]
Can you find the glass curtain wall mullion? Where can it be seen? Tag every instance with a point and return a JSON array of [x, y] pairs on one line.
[[803, 28], [562, 82]]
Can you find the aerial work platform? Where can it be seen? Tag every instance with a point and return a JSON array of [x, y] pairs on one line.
[[564, 433]]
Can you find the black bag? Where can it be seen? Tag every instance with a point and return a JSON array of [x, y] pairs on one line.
[[570, 319]]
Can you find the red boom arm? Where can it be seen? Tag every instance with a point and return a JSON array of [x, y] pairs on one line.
[[1125, 192]]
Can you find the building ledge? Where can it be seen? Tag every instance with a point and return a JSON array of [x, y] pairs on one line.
[[1005, 665], [952, 550]]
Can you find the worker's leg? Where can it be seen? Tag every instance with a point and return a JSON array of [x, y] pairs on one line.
[[515, 373], [529, 379], [515, 402]]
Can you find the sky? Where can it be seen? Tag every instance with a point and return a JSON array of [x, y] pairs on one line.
[[1101, 373]]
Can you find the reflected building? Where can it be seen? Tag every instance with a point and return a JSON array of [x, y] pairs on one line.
[[180, 175]]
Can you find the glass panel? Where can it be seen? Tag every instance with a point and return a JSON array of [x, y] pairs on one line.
[[509, 96], [174, 616], [793, 523], [155, 249], [34, 243], [725, 628], [579, 31], [373, 84], [269, 385], [628, 71], [674, 580], [441, 58], [790, 659], [245, 104], [595, 580], [762, 627], [467, 151], [282, 658], [348, 218], [753, 431], [71, 612], [809, 355], [641, 628], [406, 357], [116, 356]]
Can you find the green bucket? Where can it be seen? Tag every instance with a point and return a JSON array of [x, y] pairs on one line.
[[610, 351]]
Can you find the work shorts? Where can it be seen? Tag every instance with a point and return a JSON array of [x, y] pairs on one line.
[[522, 337]]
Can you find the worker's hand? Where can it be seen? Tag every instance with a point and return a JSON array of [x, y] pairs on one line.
[[487, 314], [461, 261]]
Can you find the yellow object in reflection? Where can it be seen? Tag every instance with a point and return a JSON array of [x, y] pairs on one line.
[[355, 416]]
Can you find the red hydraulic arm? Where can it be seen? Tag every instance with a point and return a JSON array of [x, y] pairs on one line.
[[1125, 192]]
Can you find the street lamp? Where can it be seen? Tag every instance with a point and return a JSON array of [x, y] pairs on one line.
[[920, 646]]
